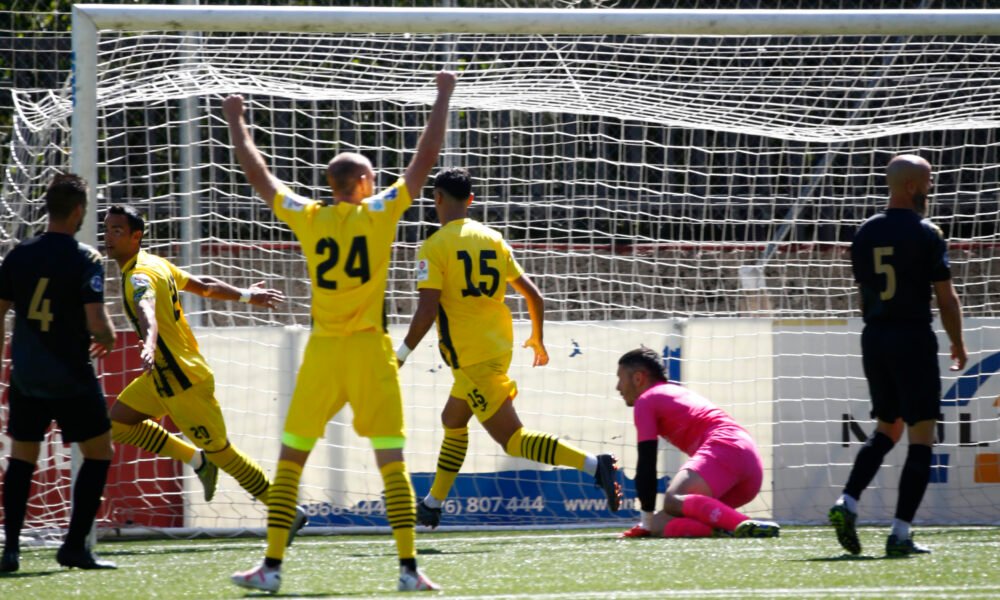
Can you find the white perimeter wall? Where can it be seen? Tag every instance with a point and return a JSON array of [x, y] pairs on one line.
[[788, 382]]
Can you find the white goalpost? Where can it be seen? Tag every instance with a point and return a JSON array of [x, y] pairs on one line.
[[688, 180]]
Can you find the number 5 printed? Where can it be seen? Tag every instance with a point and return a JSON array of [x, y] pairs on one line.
[[885, 268]]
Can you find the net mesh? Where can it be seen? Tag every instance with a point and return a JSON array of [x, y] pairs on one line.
[[645, 182]]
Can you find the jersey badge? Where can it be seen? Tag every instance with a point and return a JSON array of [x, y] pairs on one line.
[[423, 270], [97, 283], [292, 202]]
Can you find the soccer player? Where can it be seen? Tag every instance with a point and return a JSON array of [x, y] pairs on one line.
[[898, 257], [462, 274], [347, 242], [56, 287], [177, 380], [724, 470]]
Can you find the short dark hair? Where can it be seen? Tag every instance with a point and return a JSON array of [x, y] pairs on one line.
[[66, 191], [646, 359], [135, 220], [454, 182]]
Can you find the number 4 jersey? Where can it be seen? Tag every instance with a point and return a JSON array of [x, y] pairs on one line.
[[49, 278], [347, 249], [471, 265]]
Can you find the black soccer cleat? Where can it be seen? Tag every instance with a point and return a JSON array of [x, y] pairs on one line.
[[10, 562], [427, 516], [896, 548], [82, 558], [208, 474], [606, 478], [300, 521], [843, 521]]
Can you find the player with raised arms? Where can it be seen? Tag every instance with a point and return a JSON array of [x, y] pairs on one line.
[[176, 378], [347, 242], [724, 470], [462, 274]]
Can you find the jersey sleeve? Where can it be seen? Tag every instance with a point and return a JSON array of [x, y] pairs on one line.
[[296, 211], [512, 268], [645, 420], [430, 270], [181, 277], [391, 202], [940, 268], [6, 283], [139, 286], [92, 285]]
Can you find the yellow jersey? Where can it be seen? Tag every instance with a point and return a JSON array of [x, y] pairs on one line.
[[347, 249], [179, 363], [471, 264]]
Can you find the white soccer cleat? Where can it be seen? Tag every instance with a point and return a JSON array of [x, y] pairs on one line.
[[258, 578], [415, 581]]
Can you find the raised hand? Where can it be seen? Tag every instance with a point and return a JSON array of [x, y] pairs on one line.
[[232, 106]]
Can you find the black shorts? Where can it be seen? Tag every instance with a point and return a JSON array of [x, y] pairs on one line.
[[80, 418], [901, 366]]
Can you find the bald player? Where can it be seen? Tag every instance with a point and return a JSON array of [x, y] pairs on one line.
[[347, 242], [898, 257]]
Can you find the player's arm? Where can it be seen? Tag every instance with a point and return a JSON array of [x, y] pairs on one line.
[[424, 317], [536, 311], [4, 308], [256, 294], [429, 145], [251, 160], [149, 330], [951, 318], [100, 328], [645, 480]]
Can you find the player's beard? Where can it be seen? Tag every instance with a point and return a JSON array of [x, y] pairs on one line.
[[920, 204]]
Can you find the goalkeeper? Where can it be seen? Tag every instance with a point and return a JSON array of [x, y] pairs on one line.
[[724, 470], [462, 275]]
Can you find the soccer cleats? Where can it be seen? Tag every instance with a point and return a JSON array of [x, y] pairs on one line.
[[637, 531], [843, 521], [606, 478], [10, 561], [415, 581], [82, 558], [752, 528], [258, 578], [300, 521], [208, 474], [427, 516], [896, 548]]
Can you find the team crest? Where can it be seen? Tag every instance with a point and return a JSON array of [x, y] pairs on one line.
[[293, 202], [376, 204], [423, 270], [97, 283]]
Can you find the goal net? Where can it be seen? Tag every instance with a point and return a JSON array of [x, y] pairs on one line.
[[695, 194]]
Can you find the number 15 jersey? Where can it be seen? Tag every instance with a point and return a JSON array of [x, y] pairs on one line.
[[471, 264], [347, 249]]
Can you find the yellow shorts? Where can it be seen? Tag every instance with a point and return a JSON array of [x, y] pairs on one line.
[[359, 369], [485, 386], [195, 410]]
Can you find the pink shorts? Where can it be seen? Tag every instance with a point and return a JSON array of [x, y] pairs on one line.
[[731, 466]]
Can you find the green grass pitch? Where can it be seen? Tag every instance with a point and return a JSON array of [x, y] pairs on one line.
[[805, 562]]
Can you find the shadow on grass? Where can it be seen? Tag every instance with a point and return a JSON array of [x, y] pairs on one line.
[[313, 595], [160, 551], [843, 558], [27, 574]]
